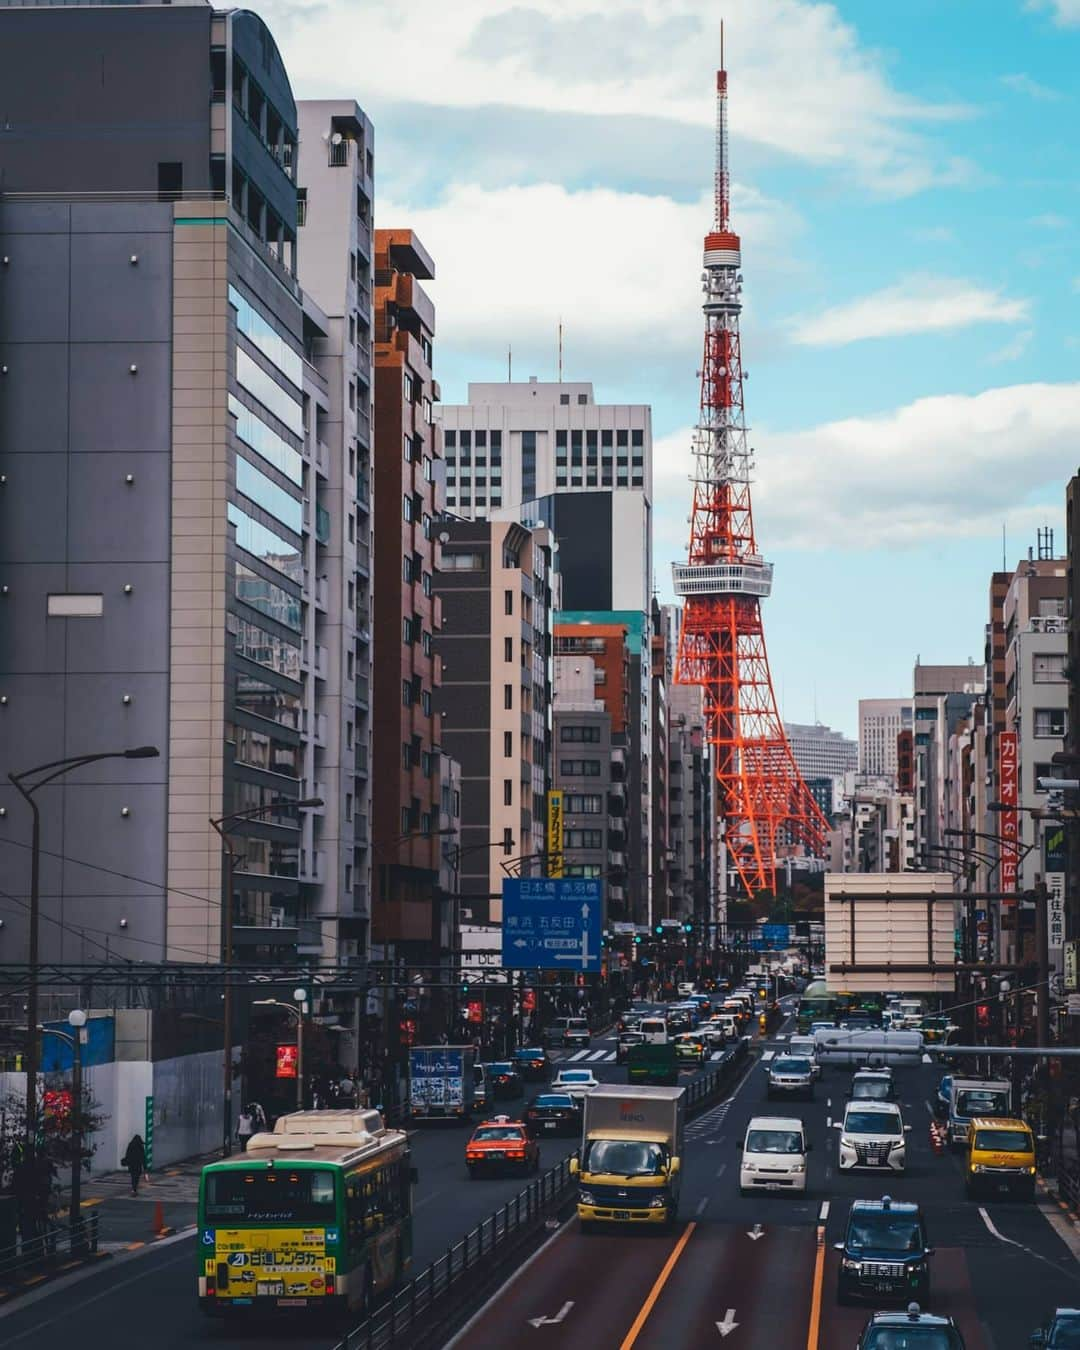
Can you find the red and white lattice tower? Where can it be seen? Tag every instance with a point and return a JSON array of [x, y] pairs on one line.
[[767, 808]]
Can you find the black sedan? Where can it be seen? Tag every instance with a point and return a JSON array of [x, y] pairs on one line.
[[503, 1081], [623, 1044], [533, 1064], [554, 1113], [1063, 1330]]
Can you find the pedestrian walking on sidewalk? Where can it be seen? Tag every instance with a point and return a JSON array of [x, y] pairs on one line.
[[134, 1160], [245, 1128]]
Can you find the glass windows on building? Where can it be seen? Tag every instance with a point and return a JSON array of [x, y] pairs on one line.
[[267, 598], [265, 545], [265, 648], [256, 796], [262, 334], [258, 436], [528, 465], [583, 804], [584, 839], [266, 390], [270, 857], [580, 735], [274, 500], [260, 699], [260, 750]]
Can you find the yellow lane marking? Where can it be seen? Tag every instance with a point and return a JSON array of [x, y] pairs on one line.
[[815, 1297], [94, 1200], [134, 1246], [654, 1292]]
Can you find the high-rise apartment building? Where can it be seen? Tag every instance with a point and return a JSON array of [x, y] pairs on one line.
[[166, 374], [406, 610], [495, 587], [881, 723], [943, 697], [335, 247], [821, 752]]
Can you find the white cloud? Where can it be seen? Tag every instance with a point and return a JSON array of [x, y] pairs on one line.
[[1049, 220], [801, 83], [621, 269], [1013, 349], [1022, 83], [940, 468], [918, 304], [1066, 13]]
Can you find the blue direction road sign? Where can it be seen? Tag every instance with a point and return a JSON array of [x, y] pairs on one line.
[[552, 924], [776, 936]]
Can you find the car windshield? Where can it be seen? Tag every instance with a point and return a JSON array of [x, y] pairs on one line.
[[872, 1122], [774, 1141], [486, 1133], [790, 1065], [577, 1024], [1065, 1335], [529, 1054], [911, 1338], [1004, 1141], [884, 1233], [631, 1038], [500, 1068], [873, 1089], [980, 1102], [625, 1158], [575, 1076], [554, 1100]]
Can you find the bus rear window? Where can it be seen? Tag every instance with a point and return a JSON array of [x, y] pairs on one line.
[[270, 1195]]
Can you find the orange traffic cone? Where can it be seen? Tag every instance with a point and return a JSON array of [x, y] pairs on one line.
[[159, 1221]]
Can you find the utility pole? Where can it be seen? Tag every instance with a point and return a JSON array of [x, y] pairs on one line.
[[1042, 958]]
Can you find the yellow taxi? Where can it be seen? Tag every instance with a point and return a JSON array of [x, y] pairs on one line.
[[1000, 1156], [501, 1143]]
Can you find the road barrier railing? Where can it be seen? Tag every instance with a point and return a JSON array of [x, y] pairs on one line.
[[417, 1313], [59, 1244]]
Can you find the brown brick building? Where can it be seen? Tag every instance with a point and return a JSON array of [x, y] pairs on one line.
[[406, 612]]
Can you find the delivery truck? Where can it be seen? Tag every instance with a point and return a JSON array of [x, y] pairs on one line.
[[441, 1082], [630, 1166], [970, 1097]]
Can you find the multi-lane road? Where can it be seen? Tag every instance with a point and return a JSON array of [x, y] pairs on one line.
[[748, 1272]]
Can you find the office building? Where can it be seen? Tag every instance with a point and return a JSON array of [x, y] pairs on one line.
[[162, 363], [335, 248], [406, 610], [943, 697], [494, 585], [821, 752], [881, 723]]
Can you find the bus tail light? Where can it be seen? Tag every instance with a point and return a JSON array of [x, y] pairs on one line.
[[329, 1283]]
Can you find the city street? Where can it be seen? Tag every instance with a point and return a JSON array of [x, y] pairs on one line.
[[742, 1269]]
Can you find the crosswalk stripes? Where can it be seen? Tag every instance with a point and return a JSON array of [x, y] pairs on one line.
[[589, 1056], [767, 1054]]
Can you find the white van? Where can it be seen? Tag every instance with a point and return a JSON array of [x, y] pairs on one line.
[[802, 1047], [654, 1030], [774, 1153]]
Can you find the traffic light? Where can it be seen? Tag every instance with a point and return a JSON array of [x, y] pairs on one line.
[[658, 929], [637, 939], [982, 1016], [688, 927], [465, 988]]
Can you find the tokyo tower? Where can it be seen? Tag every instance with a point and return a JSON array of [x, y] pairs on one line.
[[768, 810]]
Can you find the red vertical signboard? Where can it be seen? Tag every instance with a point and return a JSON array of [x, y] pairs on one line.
[[1008, 783]]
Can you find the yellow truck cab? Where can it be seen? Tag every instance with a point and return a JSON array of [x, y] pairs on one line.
[[630, 1167], [1000, 1156]]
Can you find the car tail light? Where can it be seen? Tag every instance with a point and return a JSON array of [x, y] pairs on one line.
[[329, 1284]]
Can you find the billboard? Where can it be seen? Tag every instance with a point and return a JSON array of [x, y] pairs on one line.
[[890, 932], [286, 1061], [555, 834], [1009, 795]]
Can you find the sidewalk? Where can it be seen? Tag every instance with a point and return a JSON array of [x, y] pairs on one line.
[[128, 1221]]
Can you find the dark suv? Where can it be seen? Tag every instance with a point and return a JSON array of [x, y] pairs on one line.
[[884, 1253]]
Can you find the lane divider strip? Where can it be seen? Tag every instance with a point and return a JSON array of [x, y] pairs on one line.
[[655, 1291], [814, 1330]]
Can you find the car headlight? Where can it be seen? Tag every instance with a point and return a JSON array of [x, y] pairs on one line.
[[854, 1266], [586, 1198], [845, 1142], [977, 1167], [799, 1167], [657, 1202], [1031, 1171]]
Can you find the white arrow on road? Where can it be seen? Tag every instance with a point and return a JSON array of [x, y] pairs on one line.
[[757, 1233], [728, 1325], [551, 1321]]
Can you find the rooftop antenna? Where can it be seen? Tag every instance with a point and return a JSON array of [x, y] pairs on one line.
[[1004, 565], [509, 365]]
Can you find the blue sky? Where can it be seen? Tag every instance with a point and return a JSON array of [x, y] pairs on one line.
[[905, 184]]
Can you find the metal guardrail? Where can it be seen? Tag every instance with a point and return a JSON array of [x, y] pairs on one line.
[[58, 1243], [417, 1312]]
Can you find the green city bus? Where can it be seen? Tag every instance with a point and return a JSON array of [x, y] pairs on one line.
[[818, 1005], [316, 1215]]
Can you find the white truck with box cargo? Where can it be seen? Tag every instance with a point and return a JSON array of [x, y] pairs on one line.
[[890, 933], [971, 1097], [630, 1167]]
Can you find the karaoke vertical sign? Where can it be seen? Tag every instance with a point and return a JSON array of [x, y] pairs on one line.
[[1009, 787]]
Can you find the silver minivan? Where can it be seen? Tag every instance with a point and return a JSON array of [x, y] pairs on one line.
[[654, 1030]]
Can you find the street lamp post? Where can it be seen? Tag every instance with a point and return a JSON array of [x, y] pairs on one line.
[[221, 827], [54, 769], [299, 1012]]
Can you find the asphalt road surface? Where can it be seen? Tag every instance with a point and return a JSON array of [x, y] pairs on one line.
[[761, 1271], [750, 1272]]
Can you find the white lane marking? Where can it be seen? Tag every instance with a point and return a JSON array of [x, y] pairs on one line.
[[1000, 1236], [823, 1213], [929, 1109], [828, 1122], [597, 1054], [767, 1054], [721, 1169], [552, 1321], [701, 1206], [459, 1339], [578, 1054], [758, 1232], [828, 1102], [728, 1325], [926, 1059]]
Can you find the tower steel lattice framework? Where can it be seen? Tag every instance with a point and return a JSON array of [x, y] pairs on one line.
[[768, 810]]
